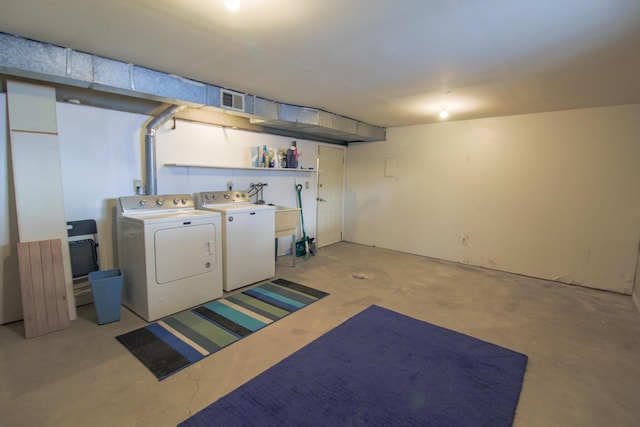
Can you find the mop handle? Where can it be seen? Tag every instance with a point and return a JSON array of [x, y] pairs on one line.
[[299, 189]]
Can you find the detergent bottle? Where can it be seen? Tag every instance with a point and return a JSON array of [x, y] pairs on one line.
[[292, 156]]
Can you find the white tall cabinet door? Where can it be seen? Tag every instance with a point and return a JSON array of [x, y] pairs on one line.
[[330, 206], [37, 173], [10, 306]]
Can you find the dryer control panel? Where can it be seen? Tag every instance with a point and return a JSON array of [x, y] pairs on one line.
[[155, 203]]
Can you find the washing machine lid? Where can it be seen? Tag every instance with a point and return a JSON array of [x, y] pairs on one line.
[[238, 208]]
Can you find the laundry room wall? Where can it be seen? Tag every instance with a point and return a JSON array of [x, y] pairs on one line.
[[228, 152], [101, 154], [549, 195]]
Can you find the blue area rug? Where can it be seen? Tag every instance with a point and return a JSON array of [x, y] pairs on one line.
[[379, 368], [175, 342]]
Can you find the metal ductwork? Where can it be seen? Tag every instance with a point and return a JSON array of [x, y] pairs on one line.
[[312, 121], [151, 181], [24, 58]]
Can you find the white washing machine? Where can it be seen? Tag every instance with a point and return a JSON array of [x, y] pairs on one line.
[[248, 237], [169, 253]]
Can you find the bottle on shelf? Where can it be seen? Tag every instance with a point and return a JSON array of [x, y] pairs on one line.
[[264, 160], [292, 156]]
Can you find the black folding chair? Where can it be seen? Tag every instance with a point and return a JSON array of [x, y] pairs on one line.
[[83, 251]]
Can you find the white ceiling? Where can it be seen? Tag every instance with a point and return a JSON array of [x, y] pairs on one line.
[[384, 62]]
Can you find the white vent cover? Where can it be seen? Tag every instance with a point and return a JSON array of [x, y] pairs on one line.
[[232, 100]]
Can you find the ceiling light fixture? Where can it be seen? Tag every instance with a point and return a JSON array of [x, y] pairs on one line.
[[232, 5], [444, 114]]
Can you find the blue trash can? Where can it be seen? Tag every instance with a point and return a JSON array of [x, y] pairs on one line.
[[106, 287]]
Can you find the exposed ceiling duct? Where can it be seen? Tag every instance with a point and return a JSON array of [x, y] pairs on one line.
[[24, 58], [150, 145]]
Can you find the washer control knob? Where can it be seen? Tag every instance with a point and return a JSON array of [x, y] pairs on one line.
[[215, 197], [176, 201], [184, 201], [160, 201], [226, 196], [142, 202], [208, 197]]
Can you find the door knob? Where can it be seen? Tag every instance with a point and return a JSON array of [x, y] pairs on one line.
[[320, 199]]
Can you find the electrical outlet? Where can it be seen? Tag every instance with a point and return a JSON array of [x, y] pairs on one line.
[[229, 185], [306, 185], [137, 186]]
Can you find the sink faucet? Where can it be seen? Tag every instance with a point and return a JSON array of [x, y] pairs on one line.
[[257, 190]]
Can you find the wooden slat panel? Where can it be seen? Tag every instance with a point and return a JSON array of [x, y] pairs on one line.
[[26, 286], [51, 308], [62, 308], [37, 289], [44, 300]]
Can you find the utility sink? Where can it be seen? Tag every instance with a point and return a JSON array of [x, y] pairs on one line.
[[286, 220]]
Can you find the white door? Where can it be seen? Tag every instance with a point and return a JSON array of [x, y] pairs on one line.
[[330, 195]]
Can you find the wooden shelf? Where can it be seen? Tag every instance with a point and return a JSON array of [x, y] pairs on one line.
[[185, 165]]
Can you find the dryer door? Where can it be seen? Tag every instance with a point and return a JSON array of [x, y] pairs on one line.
[[184, 252]]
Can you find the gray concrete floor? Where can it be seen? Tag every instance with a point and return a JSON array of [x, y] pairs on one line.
[[583, 345]]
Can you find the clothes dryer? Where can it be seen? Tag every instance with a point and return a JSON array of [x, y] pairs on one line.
[[169, 253]]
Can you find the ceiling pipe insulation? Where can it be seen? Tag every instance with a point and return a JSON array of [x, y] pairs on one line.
[[101, 77]]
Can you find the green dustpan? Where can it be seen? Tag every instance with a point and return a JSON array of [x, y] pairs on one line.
[[300, 248]]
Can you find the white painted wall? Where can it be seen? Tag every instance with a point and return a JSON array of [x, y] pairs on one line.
[[194, 143], [551, 195], [101, 153]]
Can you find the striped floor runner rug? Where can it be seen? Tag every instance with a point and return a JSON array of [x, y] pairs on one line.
[[177, 341]]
